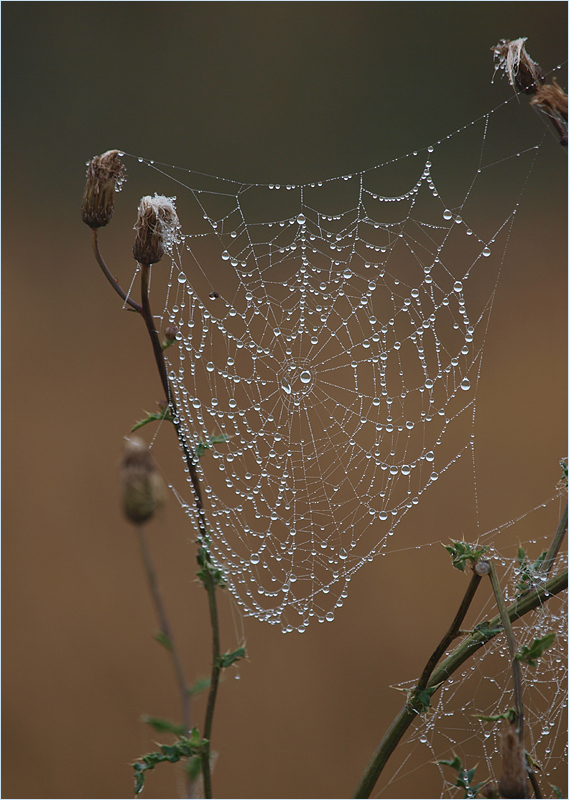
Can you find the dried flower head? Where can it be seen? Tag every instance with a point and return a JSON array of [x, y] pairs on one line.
[[105, 175], [157, 229], [523, 73], [142, 485], [513, 781], [552, 101]]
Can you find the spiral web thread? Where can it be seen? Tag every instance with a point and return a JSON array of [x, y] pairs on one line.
[[332, 332]]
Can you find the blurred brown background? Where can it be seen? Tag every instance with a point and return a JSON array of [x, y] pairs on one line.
[[257, 91]]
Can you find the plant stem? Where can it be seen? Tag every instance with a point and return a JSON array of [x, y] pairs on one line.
[[452, 632], [209, 585], [456, 659], [107, 272], [165, 628], [513, 648], [555, 543], [209, 582]]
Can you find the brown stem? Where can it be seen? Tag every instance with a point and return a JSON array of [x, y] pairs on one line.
[[106, 271]]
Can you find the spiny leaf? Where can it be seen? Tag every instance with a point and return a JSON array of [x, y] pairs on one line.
[[421, 700], [462, 553], [183, 748], [529, 655], [163, 725], [465, 776], [162, 415], [206, 444], [486, 630], [227, 659], [529, 572], [509, 715]]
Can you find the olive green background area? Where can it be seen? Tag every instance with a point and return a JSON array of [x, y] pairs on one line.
[[262, 91]]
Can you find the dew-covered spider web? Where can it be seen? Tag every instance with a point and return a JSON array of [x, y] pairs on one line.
[[330, 340], [329, 347]]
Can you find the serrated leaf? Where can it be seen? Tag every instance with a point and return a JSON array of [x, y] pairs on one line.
[[509, 715], [163, 415], [462, 553], [206, 444], [183, 748], [530, 655], [227, 659]]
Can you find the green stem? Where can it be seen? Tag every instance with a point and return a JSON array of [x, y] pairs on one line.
[[555, 543], [513, 648], [165, 628], [456, 659], [209, 585]]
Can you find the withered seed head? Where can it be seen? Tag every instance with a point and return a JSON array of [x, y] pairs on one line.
[[513, 782], [552, 101], [105, 175], [142, 485], [157, 229], [523, 73]]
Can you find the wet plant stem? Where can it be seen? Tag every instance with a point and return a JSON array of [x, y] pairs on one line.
[[512, 647], [465, 650], [209, 582], [556, 542]]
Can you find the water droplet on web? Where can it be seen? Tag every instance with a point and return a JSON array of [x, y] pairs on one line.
[[225, 255], [301, 219], [330, 617], [286, 385], [347, 274], [447, 214], [209, 366], [405, 469], [305, 376], [430, 456], [182, 278], [254, 559], [486, 252], [465, 384], [457, 286]]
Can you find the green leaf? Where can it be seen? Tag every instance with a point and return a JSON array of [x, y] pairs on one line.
[[529, 572], [206, 444], [161, 637], [465, 776], [208, 569], [509, 715], [462, 553], [227, 659], [193, 767], [564, 472], [529, 655], [556, 791], [162, 415], [486, 630], [199, 686], [421, 700], [163, 725], [183, 748]]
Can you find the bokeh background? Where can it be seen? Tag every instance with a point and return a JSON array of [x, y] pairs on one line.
[[257, 91]]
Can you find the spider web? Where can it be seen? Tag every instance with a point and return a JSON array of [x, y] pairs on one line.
[[332, 333]]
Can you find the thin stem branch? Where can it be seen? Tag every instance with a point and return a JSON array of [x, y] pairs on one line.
[[555, 543], [452, 632], [513, 648], [106, 271], [209, 585], [165, 628], [464, 651]]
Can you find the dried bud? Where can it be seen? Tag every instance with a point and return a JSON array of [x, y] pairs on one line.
[[105, 175], [142, 485], [171, 332], [552, 101], [522, 71], [513, 782], [490, 791], [157, 229]]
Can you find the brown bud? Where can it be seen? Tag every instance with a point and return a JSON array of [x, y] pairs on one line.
[[171, 332], [105, 175], [157, 229], [552, 101], [523, 73], [513, 782], [142, 485]]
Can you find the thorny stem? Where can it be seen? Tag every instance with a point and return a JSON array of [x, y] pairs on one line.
[[555, 543], [452, 632], [455, 660], [165, 627], [512, 647], [209, 583]]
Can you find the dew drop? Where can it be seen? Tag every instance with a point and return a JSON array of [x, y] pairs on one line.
[[209, 366], [305, 376], [182, 278], [405, 469], [330, 617], [255, 559], [225, 255], [457, 286], [430, 456], [465, 384], [447, 214], [486, 252], [301, 219]]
